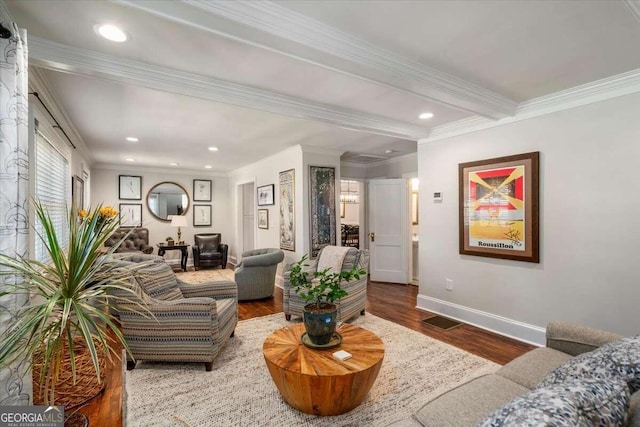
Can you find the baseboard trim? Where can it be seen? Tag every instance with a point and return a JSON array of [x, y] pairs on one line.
[[501, 325]]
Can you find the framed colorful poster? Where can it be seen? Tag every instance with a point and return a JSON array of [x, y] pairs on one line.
[[263, 219], [499, 207], [322, 183], [287, 188], [130, 215]]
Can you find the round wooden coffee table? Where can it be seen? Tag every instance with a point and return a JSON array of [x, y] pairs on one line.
[[312, 380]]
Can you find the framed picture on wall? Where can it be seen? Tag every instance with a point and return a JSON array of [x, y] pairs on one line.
[[130, 215], [201, 190], [287, 191], [129, 187], [265, 195], [202, 215], [498, 207], [322, 183], [263, 219], [77, 193]]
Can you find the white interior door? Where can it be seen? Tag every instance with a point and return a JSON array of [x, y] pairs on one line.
[[248, 222], [388, 230]]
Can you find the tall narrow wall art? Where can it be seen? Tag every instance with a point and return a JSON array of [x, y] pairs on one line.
[[286, 188], [322, 183]]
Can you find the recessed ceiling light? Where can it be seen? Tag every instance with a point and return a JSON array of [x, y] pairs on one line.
[[132, 139], [425, 115], [129, 159], [208, 167], [388, 151], [174, 164], [111, 32], [212, 148]]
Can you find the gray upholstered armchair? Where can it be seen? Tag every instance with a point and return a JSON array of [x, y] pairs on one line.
[[137, 241], [184, 323], [209, 251], [255, 275], [348, 306]]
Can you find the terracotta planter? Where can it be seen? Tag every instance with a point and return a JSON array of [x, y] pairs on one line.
[[320, 323]]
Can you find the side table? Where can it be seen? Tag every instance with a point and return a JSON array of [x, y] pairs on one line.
[[184, 249], [312, 381]]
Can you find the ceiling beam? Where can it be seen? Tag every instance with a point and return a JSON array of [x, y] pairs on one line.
[[69, 59], [278, 29]]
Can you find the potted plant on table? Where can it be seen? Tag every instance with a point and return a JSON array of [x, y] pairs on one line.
[[170, 241], [64, 328], [320, 289]]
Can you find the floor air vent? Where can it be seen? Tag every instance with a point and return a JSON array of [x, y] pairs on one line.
[[442, 322]]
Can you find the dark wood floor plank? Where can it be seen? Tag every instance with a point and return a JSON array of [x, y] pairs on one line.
[[393, 302]]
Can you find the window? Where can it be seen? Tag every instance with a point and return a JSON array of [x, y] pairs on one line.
[[52, 190]]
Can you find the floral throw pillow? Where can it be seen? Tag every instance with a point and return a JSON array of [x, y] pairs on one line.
[[617, 360], [576, 403]]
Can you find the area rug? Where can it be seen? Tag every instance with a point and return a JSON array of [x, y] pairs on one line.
[[239, 391], [203, 276]]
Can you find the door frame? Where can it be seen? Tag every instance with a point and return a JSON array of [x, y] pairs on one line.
[[239, 211]]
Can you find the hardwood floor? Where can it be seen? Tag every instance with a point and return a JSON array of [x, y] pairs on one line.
[[390, 301]]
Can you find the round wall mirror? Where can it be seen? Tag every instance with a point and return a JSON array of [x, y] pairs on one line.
[[166, 199]]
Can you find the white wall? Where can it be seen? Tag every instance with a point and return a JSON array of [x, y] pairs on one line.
[[104, 189], [588, 239], [265, 172], [396, 167]]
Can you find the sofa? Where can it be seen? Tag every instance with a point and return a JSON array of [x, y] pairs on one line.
[[583, 377], [136, 241], [255, 275], [166, 319]]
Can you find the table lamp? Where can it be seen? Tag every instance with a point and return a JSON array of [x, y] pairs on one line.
[[179, 221]]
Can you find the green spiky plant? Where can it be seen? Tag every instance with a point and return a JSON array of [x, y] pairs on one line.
[[67, 297], [323, 291]]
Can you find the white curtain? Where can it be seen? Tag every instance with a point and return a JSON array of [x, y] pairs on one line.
[[15, 382]]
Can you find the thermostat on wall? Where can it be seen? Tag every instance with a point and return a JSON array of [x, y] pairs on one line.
[[437, 196]]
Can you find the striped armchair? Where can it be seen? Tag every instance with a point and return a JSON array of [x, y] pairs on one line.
[[348, 306], [190, 322]]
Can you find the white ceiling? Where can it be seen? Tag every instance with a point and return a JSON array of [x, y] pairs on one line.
[[253, 78]]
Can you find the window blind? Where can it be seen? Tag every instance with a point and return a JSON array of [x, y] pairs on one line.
[[52, 190]]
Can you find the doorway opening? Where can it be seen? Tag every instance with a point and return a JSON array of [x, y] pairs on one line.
[[245, 197], [351, 227]]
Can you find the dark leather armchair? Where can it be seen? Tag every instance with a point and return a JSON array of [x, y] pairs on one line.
[[209, 251], [137, 241]]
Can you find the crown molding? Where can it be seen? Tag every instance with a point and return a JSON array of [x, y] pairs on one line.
[[158, 169], [599, 90], [267, 25], [69, 59], [320, 150], [352, 164], [634, 7], [275, 157], [38, 82]]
